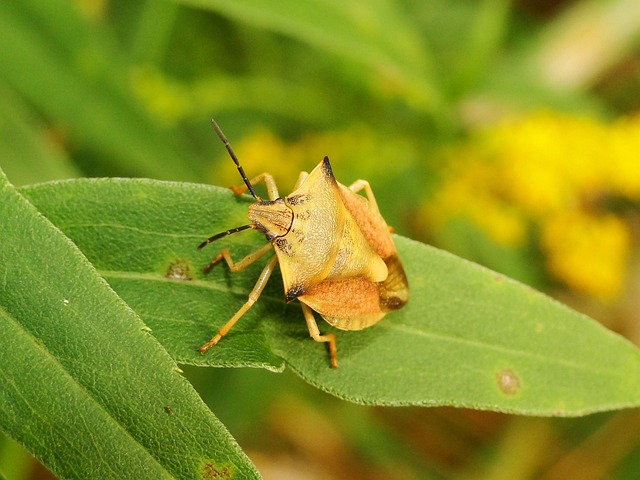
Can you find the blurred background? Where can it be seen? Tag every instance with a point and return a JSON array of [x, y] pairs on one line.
[[507, 132]]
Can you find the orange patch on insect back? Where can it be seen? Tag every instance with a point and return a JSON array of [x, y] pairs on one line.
[[351, 304]]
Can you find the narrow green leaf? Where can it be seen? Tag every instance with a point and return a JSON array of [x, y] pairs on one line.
[[69, 69], [484, 40], [28, 156], [468, 337], [375, 34], [236, 92], [83, 385], [564, 59], [555, 66]]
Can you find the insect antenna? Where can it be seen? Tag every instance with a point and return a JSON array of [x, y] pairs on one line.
[[224, 234], [232, 154]]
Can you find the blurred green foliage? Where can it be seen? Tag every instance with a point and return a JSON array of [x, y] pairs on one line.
[[118, 88]]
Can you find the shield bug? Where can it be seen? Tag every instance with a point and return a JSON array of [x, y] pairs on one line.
[[333, 247]]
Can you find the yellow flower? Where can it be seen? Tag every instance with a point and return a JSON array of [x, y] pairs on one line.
[[260, 152], [549, 171], [543, 160], [623, 157], [589, 253], [465, 197]]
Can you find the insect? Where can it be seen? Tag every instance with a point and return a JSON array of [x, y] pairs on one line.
[[333, 247]]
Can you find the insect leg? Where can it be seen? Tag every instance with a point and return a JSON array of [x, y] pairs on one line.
[[301, 178], [272, 189], [330, 338], [358, 185], [253, 296], [241, 264]]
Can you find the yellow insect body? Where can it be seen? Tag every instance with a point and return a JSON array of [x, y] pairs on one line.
[[334, 249]]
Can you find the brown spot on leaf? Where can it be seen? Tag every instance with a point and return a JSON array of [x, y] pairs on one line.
[[508, 381], [179, 270], [211, 470]]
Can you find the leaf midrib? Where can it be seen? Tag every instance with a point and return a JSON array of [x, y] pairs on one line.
[[155, 277], [210, 285]]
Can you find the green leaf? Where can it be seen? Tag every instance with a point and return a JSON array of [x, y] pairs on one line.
[[84, 386], [474, 338], [468, 337], [375, 34], [27, 156], [142, 236], [69, 69]]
